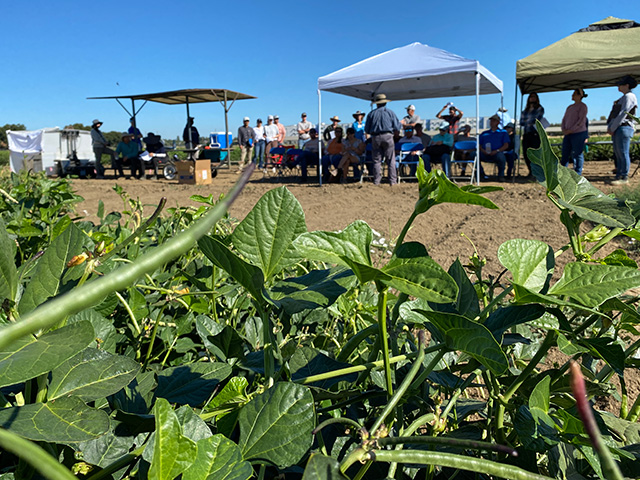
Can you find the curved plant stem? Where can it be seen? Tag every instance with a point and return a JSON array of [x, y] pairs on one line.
[[604, 240], [132, 316], [331, 421], [354, 341], [404, 231], [609, 467], [28, 451], [395, 399], [384, 340], [357, 455], [91, 293], [450, 442], [118, 464], [451, 460]]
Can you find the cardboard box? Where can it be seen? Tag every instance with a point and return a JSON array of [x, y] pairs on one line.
[[194, 173]]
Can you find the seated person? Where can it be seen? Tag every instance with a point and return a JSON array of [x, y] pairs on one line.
[[130, 154], [439, 150], [331, 159], [309, 155], [352, 148], [413, 155], [154, 146], [511, 154], [418, 132], [493, 143]]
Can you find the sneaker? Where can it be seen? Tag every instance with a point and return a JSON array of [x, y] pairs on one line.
[[333, 171], [620, 181]]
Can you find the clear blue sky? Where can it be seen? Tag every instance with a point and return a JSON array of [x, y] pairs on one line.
[[58, 53]]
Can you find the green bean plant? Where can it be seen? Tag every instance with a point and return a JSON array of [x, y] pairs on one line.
[[185, 346]]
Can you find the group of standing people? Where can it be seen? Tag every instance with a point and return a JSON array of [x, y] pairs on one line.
[[259, 139], [575, 128]]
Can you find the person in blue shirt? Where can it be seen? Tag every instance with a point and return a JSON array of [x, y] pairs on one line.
[[130, 154], [135, 132], [439, 150], [493, 143], [381, 124], [358, 125]]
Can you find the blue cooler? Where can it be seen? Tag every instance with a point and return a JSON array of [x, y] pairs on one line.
[[218, 140]]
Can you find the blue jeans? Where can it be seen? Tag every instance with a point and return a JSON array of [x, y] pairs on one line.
[[301, 142], [499, 159], [304, 160], [572, 148], [621, 143], [329, 160], [258, 153], [445, 159]]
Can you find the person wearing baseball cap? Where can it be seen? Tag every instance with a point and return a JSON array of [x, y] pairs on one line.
[[303, 127], [100, 146], [246, 137], [410, 119], [493, 143], [282, 131], [620, 127], [271, 133], [259, 144], [381, 124]]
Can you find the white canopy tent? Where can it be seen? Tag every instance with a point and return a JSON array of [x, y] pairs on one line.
[[412, 72]]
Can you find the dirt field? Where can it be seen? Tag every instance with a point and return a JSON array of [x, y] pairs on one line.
[[524, 212]]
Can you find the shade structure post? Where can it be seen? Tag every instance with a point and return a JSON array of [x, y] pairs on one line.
[[478, 165], [517, 133], [133, 109], [319, 137], [226, 130], [186, 101]]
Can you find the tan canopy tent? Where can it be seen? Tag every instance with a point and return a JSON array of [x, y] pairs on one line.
[[595, 56]]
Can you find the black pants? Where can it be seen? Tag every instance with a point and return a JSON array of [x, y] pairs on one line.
[[137, 169], [529, 140]]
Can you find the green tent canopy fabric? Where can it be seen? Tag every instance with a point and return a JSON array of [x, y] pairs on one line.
[[595, 56]]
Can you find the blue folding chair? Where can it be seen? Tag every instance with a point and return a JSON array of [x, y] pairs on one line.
[[463, 156], [407, 161]]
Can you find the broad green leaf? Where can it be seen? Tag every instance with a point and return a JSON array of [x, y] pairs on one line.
[[320, 467], [230, 397], [218, 458], [606, 349], [467, 303], [92, 374], [530, 262], [435, 188], [65, 420], [247, 275], [365, 273], [354, 243], [191, 384], [173, 453], [544, 163], [27, 358], [103, 328], [540, 396], [276, 426], [8, 270], [536, 430], [47, 278], [509, 316], [207, 327], [137, 396], [474, 339], [317, 289], [619, 258], [307, 361], [60, 226], [591, 285], [569, 348], [105, 450], [524, 296], [226, 344], [266, 234], [413, 272], [193, 426]]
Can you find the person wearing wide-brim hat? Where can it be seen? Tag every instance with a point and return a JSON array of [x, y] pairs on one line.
[[130, 154], [380, 125], [100, 146], [358, 125], [328, 134], [620, 127]]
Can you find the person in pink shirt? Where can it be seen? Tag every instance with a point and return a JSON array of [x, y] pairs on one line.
[[574, 129], [282, 132]]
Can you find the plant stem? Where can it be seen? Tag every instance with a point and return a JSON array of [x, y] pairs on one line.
[[28, 451], [354, 341], [152, 340], [604, 240], [382, 322], [429, 368], [132, 316], [404, 386], [331, 421], [451, 460], [404, 231], [91, 293], [451, 442], [118, 464], [609, 467], [267, 345], [635, 411]]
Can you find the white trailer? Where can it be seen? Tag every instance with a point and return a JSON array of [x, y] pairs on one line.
[[50, 149]]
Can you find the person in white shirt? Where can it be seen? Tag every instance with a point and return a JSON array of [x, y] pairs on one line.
[[303, 128], [258, 151], [271, 133]]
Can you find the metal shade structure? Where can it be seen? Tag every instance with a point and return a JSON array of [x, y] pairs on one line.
[[184, 97], [595, 56], [412, 72]]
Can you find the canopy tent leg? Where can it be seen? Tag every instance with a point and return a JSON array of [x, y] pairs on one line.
[[516, 170], [477, 172], [186, 100], [226, 131], [319, 137]]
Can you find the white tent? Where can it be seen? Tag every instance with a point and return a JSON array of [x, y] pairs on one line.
[[412, 72], [42, 149]]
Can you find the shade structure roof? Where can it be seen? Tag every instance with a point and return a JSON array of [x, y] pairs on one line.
[[595, 56], [411, 72], [190, 95]]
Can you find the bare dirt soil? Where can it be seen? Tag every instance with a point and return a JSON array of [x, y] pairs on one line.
[[524, 212]]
